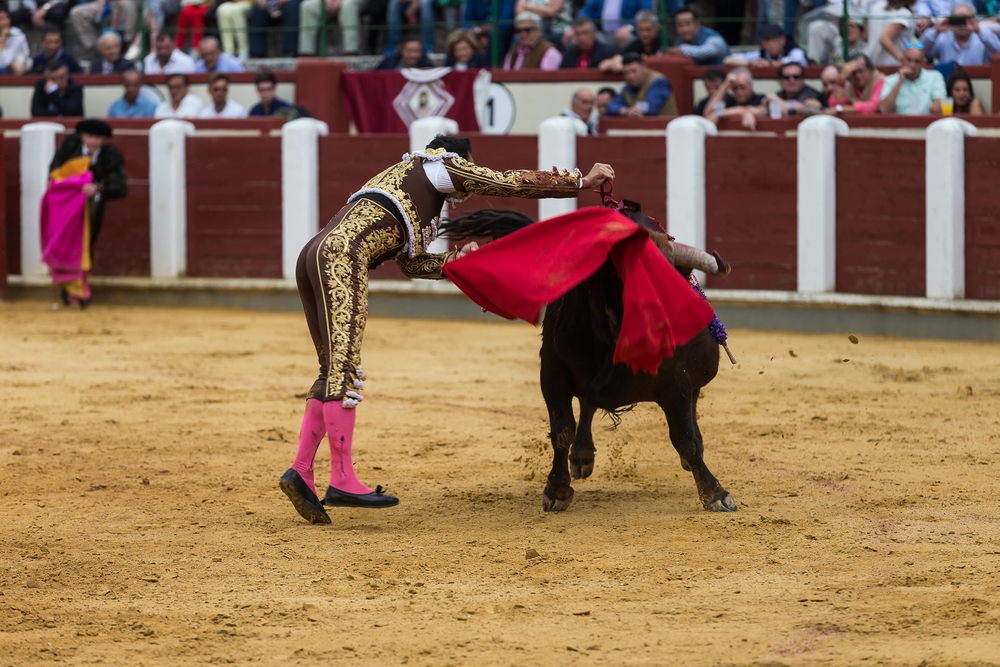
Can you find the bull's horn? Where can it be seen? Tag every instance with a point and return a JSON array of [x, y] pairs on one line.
[[693, 258]]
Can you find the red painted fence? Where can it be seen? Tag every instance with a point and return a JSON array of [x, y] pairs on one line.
[[982, 218]]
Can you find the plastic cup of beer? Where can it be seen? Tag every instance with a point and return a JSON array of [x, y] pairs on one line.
[[774, 109], [947, 106]]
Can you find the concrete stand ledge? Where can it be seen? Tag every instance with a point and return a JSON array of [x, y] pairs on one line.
[[911, 317]]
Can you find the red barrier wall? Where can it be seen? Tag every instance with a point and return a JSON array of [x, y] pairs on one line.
[[12, 202], [881, 219], [982, 218], [640, 170], [750, 191], [234, 207]]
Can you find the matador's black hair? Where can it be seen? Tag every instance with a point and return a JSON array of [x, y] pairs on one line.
[[452, 144]]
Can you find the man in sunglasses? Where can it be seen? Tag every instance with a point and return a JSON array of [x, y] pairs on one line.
[[799, 99], [958, 39], [221, 106], [913, 90], [531, 50]]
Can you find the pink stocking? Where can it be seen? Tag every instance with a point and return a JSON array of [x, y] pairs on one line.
[[340, 429], [310, 435]]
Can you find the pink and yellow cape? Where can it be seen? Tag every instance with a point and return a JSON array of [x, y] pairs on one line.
[[65, 222]]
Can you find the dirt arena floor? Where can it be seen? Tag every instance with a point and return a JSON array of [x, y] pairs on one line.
[[140, 451]]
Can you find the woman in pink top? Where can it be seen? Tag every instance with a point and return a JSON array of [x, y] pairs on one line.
[[861, 88]]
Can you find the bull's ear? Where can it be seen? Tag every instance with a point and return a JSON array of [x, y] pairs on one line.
[[636, 206]]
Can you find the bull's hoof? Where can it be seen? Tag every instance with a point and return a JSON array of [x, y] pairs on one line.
[[557, 501], [721, 502], [581, 469]]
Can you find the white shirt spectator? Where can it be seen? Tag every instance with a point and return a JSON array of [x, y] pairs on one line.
[[232, 109], [190, 107], [179, 63], [880, 18], [15, 49]]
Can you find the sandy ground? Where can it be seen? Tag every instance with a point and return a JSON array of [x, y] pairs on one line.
[[142, 524]]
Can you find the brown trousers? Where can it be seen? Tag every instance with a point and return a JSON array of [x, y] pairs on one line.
[[332, 278]]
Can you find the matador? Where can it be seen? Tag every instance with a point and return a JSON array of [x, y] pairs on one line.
[[394, 216]]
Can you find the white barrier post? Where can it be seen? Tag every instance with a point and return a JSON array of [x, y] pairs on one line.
[[422, 132], [168, 197], [945, 194], [299, 188], [686, 180], [817, 203], [38, 145], [557, 148]]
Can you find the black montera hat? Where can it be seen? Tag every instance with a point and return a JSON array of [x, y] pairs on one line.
[[93, 126]]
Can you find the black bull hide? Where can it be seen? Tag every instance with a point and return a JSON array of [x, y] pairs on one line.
[[579, 334]]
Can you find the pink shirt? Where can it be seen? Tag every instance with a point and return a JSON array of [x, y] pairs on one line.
[[869, 107], [550, 61]]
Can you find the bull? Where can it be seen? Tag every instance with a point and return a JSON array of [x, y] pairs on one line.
[[579, 334]]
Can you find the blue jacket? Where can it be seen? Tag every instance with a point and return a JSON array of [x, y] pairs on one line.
[[41, 60], [480, 12], [258, 109], [592, 10], [656, 96], [703, 52], [395, 61]]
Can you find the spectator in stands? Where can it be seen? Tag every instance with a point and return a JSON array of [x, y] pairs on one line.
[[646, 93], [775, 48], [182, 103], [411, 8], [214, 60], [156, 14], [712, 79], [556, 16], [646, 41], [410, 54], [959, 88], [132, 104], [191, 19], [14, 52], [52, 13], [890, 27], [477, 17], [109, 59], [270, 14], [586, 52], [861, 91], [231, 16], [958, 39], [87, 20], [166, 59], [52, 49], [913, 90], [926, 11], [742, 103], [267, 86], [604, 97], [616, 17], [830, 78], [798, 98], [532, 51], [348, 13], [581, 107], [56, 94], [221, 106], [704, 45], [824, 44], [462, 51]]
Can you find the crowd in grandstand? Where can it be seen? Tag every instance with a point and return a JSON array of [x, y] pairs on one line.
[[929, 41]]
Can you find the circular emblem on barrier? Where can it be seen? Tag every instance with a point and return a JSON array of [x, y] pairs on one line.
[[497, 114]]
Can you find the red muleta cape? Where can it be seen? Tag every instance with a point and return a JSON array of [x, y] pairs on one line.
[[515, 277]]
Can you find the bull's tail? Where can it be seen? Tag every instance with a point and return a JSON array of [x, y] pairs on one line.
[[487, 223]]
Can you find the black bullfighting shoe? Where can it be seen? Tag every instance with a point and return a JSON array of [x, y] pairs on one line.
[[305, 501], [377, 498]]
